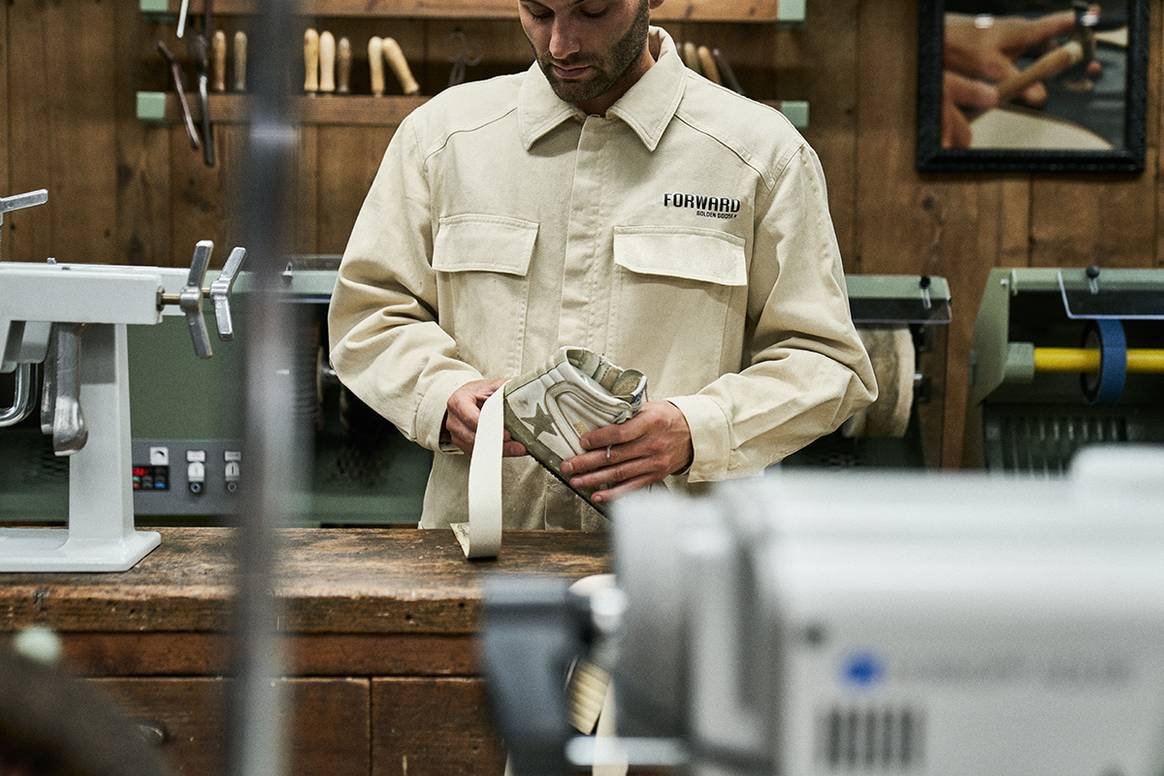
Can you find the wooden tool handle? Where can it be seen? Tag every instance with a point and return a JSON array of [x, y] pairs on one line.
[[1046, 66], [326, 62], [655, 42], [691, 56], [707, 62], [218, 62], [240, 61], [376, 64], [399, 65], [345, 66], [311, 60]]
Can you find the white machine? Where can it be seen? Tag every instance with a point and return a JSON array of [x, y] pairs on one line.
[[883, 624], [71, 319]]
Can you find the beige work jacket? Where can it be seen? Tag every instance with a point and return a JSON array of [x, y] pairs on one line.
[[686, 234]]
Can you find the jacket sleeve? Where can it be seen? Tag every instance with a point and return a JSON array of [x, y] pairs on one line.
[[386, 344], [806, 371]]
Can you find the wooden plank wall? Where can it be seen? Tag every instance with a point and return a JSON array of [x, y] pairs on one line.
[[6, 114], [124, 192]]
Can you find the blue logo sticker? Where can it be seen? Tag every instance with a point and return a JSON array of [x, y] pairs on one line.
[[862, 669]]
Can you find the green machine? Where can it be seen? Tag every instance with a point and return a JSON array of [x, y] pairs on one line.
[[1062, 359], [903, 321], [188, 462]]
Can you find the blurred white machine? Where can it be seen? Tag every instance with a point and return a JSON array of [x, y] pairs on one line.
[[72, 320], [895, 624]]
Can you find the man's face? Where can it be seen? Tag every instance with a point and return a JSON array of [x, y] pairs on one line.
[[585, 46]]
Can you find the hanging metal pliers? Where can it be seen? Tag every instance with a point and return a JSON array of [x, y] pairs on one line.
[[200, 53], [180, 88]]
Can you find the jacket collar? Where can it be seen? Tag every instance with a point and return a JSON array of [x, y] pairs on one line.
[[647, 107]]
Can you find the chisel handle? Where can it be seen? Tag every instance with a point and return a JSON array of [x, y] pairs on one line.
[[376, 64], [240, 61], [395, 57], [311, 60], [344, 60], [218, 62], [326, 62], [707, 62], [691, 57]]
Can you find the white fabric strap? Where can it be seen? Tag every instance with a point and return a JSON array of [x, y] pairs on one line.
[[481, 536]]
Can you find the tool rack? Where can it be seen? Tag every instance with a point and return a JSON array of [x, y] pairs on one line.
[[388, 111]]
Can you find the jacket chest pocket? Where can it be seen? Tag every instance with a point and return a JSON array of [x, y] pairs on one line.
[[482, 263], [678, 307]]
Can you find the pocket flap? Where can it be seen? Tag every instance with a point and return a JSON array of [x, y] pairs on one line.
[[466, 243], [683, 252]]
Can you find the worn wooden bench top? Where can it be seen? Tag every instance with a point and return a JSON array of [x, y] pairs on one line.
[[357, 581]]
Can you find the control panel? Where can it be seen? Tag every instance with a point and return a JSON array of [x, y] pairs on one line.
[[186, 476]]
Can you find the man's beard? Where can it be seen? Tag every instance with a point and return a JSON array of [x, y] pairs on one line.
[[607, 71]]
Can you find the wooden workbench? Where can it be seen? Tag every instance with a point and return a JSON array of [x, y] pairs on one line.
[[380, 623]]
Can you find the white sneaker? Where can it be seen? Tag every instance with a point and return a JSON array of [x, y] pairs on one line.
[[550, 410]]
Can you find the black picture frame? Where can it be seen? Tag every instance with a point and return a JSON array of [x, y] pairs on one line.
[[1126, 152]]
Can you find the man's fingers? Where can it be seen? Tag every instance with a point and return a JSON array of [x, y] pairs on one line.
[[598, 459], [614, 475], [968, 92], [956, 132], [618, 434], [1035, 94], [461, 435], [513, 450], [996, 66], [1035, 31], [620, 490], [466, 410]]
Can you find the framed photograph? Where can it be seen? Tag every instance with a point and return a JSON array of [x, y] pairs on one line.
[[1032, 85]]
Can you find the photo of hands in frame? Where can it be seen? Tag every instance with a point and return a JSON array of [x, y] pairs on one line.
[[1032, 85]]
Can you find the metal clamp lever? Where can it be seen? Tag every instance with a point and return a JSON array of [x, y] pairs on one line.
[[21, 201], [220, 292], [191, 296], [60, 408]]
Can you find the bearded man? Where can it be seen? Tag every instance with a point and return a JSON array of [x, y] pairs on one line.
[[612, 199]]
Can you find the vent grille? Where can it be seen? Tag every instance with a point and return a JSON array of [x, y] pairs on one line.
[[1045, 444], [353, 465], [875, 738]]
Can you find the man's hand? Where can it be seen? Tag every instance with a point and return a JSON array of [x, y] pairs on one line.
[[958, 93], [989, 51], [647, 448], [464, 410], [977, 55]]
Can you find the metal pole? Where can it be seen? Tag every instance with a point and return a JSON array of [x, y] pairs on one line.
[[275, 452]]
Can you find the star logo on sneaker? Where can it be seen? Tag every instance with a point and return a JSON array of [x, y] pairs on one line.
[[541, 423]]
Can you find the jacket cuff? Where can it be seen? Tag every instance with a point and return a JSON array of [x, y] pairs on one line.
[[709, 437], [430, 413]]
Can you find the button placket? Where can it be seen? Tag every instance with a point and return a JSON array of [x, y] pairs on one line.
[[582, 234]]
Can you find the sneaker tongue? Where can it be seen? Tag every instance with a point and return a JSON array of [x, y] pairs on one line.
[[607, 376], [627, 382], [615, 380]]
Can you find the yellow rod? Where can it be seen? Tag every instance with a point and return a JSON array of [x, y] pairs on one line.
[[1140, 360]]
